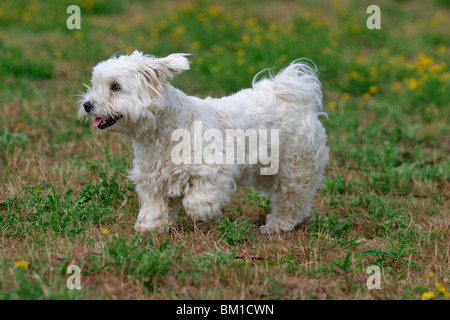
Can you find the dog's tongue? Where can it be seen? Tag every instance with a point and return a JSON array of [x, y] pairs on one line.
[[97, 121]]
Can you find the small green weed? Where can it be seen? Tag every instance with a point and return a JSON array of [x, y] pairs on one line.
[[235, 232], [13, 62], [262, 202], [330, 224], [140, 259], [38, 283], [337, 185], [10, 141], [395, 255], [60, 212]]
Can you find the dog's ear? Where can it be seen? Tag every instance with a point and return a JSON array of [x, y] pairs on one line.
[[171, 65], [157, 70]]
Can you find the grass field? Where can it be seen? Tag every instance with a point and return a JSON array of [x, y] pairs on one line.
[[65, 198]]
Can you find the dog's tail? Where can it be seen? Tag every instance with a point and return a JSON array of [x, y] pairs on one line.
[[297, 84]]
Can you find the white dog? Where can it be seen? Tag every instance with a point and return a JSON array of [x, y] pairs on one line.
[[131, 96]]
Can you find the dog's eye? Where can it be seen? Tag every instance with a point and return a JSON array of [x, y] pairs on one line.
[[115, 87]]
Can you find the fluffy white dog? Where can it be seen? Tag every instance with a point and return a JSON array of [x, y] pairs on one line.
[[131, 96]]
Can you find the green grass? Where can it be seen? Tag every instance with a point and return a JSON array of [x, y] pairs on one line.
[[235, 232], [65, 198]]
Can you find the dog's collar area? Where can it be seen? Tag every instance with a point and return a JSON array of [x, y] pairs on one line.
[[103, 123]]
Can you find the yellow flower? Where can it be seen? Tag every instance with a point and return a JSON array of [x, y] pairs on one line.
[[332, 105], [440, 288], [438, 20], [178, 32], [411, 84], [21, 264], [77, 34], [284, 57], [373, 89], [141, 40], [442, 49], [201, 17], [137, 19], [169, 223], [435, 68], [428, 295], [240, 53], [196, 45], [326, 51], [58, 53], [444, 77], [173, 17], [423, 62], [240, 61], [273, 26], [318, 23], [89, 4], [361, 59], [26, 16], [427, 110], [345, 96], [353, 75], [366, 96], [105, 231], [355, 29], [215, 69], [250, 22], [215, 11], [163, 24], [154, 31]]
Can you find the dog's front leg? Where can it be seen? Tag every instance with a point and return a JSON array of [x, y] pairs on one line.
[[154, 211]]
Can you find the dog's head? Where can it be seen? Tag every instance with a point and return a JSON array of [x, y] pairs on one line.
[[128, 90]]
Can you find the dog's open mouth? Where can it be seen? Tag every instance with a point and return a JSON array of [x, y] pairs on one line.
[[103, 123]]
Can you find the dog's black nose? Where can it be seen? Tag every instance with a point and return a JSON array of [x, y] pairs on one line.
[[88, 106]]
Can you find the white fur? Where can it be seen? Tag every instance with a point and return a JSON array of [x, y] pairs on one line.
[[152, 109]]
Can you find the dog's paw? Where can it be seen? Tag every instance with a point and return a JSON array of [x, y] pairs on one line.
[[160, 225], [276, 227], [268, 229]]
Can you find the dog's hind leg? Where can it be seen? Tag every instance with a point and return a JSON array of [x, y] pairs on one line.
[[298, 181]]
